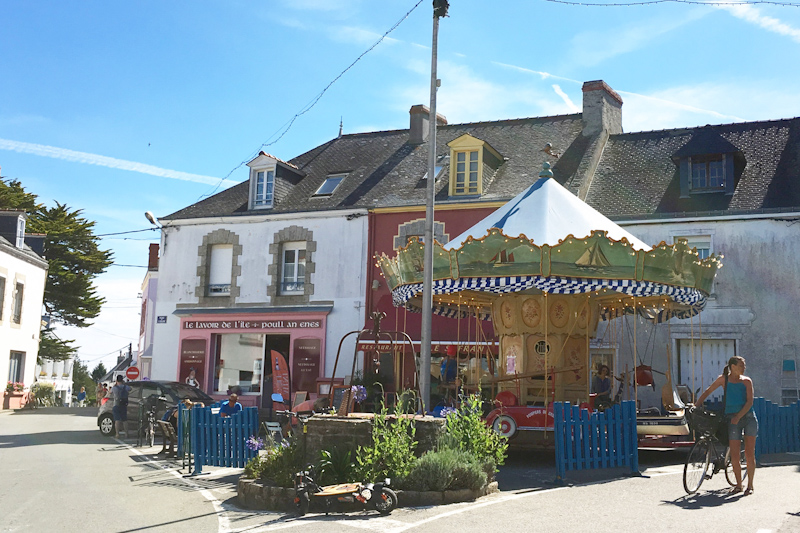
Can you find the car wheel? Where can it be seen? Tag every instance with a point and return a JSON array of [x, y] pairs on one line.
[[106, 424], [505, 426]]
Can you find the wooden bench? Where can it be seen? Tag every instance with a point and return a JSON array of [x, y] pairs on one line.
[[170, 439]]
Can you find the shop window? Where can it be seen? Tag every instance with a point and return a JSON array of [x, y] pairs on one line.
[[239, 363], [16, 367], [16, 315]]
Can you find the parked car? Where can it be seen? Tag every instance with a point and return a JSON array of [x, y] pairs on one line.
[[172, 391]]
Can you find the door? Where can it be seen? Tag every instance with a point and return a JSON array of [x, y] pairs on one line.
[[710, 357]]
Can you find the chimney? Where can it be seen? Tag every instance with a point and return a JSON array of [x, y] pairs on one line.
[[602, 109], [152, 260], [419, 127]]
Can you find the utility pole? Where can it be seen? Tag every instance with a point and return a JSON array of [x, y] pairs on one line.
[[439, 10]]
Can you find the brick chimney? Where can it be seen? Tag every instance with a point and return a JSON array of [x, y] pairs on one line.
[[418, 130], [152, 260], [602, 109]]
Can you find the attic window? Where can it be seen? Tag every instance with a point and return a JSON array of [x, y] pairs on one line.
[[329, 185], [708, 173], [469, 159], [263, 187], [437, 169]]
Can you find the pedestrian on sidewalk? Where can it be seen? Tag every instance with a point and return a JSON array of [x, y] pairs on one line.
[[82, 397], [120, 410], [100, 393]]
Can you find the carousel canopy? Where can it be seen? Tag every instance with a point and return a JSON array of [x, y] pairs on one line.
[[546, 213], [548, 240]]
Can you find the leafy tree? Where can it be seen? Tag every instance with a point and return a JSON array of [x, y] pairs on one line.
[[81, 378], [51, 347], [72, 252], [99, 371]]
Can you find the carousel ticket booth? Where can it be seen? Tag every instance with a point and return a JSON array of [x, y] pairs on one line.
[[253, 355]]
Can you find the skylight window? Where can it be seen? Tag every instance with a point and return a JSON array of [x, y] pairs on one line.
[[329, 185], [437, 169]]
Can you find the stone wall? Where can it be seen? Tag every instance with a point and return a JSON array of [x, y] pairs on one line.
[[326, 431]]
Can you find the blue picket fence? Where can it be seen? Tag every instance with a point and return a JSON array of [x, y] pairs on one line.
[[218, 441], [778, 427], [604, 439], [184, 433]]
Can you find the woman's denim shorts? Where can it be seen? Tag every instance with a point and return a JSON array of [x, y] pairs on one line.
[[747, 424]]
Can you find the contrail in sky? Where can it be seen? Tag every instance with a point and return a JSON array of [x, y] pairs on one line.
[[110, 162]]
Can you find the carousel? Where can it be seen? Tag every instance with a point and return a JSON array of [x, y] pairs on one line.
[[546, 269]]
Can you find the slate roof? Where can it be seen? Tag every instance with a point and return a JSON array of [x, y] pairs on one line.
[[636, 175]]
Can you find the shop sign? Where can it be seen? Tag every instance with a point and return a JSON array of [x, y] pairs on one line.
[[193, 358], [252, 324], [305, 364]]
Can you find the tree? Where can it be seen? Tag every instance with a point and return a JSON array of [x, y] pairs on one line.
[[72, 253], [99, 371], [51, 347], [81, 378]]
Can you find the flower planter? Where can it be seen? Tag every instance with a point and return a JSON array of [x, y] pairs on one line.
[[14, 400]]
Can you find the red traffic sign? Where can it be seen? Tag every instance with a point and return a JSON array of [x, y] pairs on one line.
[[132, 372]]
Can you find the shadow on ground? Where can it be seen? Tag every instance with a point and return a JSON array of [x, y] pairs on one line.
[[58, 411], [52, 437]]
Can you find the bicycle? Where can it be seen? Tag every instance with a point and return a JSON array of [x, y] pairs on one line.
[[707, 452], [147, 422]]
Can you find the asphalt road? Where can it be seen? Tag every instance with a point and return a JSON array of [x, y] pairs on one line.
[[57, 473]]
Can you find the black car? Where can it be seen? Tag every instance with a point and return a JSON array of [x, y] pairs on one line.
[[173, 391]]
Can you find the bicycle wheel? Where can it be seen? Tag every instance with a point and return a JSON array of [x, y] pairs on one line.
[[694, 471], [729, 475]]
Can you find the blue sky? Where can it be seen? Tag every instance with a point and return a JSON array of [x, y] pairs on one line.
[[118, 108]]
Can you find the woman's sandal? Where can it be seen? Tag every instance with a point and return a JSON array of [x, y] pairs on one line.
[[748, 491], [735, 489]]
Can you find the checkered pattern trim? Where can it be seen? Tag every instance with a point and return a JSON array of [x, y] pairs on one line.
[[688, 296]]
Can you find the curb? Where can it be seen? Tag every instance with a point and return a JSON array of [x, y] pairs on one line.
[[252, 494]]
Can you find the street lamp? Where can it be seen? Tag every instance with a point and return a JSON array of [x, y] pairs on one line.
[[149, 216], [439, 10]]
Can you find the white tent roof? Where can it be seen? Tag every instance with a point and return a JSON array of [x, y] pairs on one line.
[[546, 212]]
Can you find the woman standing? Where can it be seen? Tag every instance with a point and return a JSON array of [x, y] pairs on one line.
[[741, 418]]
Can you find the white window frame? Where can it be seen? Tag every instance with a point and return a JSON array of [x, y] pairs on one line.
[[219, 270], [20, 232], [16, 307], [332, 177], [296, 280], [266, 197]]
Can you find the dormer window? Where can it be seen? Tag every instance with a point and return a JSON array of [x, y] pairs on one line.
[[20, 232], [708, 163], [708, 172], [264, 185], [329, 185], [470, 161]]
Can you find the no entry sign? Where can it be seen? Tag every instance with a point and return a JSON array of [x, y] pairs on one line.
[[132, 372]]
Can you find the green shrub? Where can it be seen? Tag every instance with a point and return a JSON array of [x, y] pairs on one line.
[[466, 430], [336, 466], [391, 453], [445, 469], [278, 465]]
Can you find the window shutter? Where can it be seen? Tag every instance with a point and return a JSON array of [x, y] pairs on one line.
[[730, 177], [686, 177]]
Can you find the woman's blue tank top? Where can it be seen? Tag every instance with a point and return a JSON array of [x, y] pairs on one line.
[[736, 398]]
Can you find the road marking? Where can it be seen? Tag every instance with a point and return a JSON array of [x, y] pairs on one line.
[[223, 521]]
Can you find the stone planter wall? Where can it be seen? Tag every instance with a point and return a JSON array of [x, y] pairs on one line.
[[252, 494]]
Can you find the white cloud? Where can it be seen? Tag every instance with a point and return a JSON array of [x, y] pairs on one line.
[[594, 47], [104, 161], [753, 15], [708, 103], [566, 98]]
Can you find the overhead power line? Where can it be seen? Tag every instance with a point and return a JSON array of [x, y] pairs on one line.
[[284, 129], [692, 2]]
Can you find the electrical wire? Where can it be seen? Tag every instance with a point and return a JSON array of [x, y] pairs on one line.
[[692, 2], [284, 129]]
